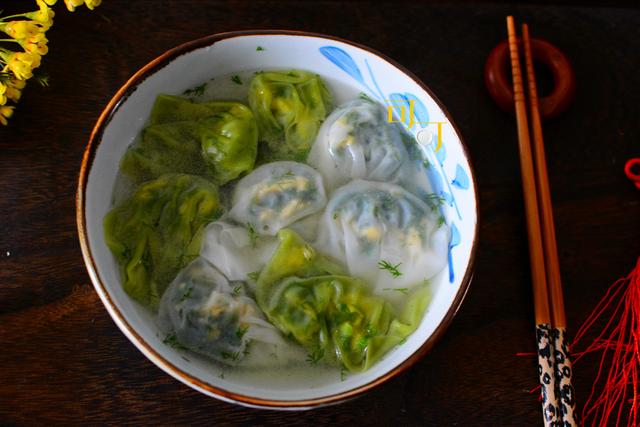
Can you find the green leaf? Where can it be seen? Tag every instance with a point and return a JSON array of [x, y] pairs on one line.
[[241, 331], [253, 234], [172, 341], [392, 269], [196, 91], [315, 356]]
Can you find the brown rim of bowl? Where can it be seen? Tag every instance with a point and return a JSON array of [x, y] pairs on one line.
[[87, 161]]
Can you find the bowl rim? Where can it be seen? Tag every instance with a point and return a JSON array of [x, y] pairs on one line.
[[87, 162]]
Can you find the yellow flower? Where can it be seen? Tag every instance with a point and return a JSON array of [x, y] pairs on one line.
[[13, 93], [21, 29], [72, 4], [36, 44], [17, 83], [21, 64], [92, 4], [11, 89], [44, 16], [5, 113], [3, 90]]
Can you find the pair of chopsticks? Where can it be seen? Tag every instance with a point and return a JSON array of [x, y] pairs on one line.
[[554, 369]]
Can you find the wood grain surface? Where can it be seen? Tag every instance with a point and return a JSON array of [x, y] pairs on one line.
[[63, 360]]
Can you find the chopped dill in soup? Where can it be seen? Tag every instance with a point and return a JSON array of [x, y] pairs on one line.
[[266, 227]]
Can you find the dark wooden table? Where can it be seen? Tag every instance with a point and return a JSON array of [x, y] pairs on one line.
[[63, 360]]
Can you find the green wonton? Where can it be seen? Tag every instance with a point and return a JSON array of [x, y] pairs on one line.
[[289, 107], [335, 317], [217, 139], [158, 230]]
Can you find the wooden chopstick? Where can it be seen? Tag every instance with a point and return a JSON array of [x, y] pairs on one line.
[[562, 361], [552, 265], [534, 233]]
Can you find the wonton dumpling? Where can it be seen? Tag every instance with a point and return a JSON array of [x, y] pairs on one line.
[[211, 316], [236, 252], [335, 317], [158, 230], [368, 224], [218, 139], [289, 107], [276, 195], [358, 142]]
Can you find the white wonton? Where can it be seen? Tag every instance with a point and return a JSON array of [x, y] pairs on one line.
[[385, 235], [276, 195], [357, 141], [207, 314]]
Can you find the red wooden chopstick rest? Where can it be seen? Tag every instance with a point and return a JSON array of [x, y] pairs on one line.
[[498, 82]]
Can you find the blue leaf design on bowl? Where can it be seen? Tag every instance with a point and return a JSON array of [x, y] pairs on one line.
[[455, 241], [420, 112], [462, 179], [343, 60]]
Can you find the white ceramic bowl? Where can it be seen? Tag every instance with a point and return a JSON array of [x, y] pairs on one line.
[[349, 69]]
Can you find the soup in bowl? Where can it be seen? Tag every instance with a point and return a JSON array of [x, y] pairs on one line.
[[278, 219]]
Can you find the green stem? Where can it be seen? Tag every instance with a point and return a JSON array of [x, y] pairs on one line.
[[4, 18]]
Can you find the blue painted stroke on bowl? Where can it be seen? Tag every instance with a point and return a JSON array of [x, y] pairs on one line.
[[455, 241], [343, 60], [373, 79], [462, 179]]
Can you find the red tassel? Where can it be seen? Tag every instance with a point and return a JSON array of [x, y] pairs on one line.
[[615, 396]]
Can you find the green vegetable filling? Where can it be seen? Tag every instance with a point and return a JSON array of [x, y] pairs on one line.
[[289, 108], [158, 230], [333, 316], [216, 139]]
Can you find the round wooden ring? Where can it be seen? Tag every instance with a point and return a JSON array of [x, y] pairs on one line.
[[498, 81]]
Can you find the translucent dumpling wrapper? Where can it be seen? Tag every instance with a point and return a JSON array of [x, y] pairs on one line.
[[357, 141], [276, 195], [289, 107], [334, 317], [235, 251], [205, 313], [218, 139], [158, 230], [386, 236]]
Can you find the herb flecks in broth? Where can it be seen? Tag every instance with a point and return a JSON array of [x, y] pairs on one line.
[[392, 269]]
